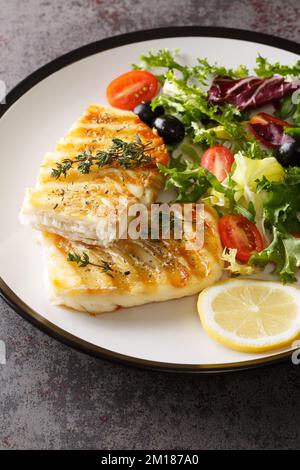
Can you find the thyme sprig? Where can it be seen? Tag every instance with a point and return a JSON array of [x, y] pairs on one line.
[[126, 154], [84, 261]]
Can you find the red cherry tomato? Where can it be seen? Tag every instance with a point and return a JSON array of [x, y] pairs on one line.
[[268, 129], [296, 235], [218, 160], [131, 88], [238, 232]]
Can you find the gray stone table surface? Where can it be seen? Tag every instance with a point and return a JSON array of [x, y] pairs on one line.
[[52, 397]]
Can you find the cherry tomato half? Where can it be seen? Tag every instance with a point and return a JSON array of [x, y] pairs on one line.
[[238, 232], [268, 129], [218, 160], [131, 88]]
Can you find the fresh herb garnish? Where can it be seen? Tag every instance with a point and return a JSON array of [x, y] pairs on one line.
[[84, 261], [126, 154]]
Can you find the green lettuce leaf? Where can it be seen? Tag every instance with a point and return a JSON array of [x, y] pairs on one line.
[[190, 182], [284, 252], [265, 69], [281, 215]]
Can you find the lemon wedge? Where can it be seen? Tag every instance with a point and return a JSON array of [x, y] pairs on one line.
[[250, 315]]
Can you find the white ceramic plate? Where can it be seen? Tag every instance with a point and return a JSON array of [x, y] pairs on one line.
[[38, 112]]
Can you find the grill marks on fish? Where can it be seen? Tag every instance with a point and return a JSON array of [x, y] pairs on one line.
[[67, 210], [139, 268], [93, 133], [88, 196]]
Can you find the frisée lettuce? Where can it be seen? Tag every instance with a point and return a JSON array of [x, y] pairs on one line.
[[257, 186]]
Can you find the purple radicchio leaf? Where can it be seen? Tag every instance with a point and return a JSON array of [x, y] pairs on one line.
[[270, 130], [250, 92]]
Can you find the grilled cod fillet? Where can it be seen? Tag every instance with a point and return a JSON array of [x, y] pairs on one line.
[[131, 272], [72, 206]]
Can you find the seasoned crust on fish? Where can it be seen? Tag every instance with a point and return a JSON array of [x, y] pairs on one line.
[[131, 272], [72, 205]]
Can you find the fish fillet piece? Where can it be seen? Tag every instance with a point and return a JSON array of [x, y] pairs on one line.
[[72, 206], [131, 272]]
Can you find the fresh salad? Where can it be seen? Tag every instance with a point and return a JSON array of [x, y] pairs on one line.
[[234, 141]]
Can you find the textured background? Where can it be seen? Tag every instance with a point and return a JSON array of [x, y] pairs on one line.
[[53, 397]]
